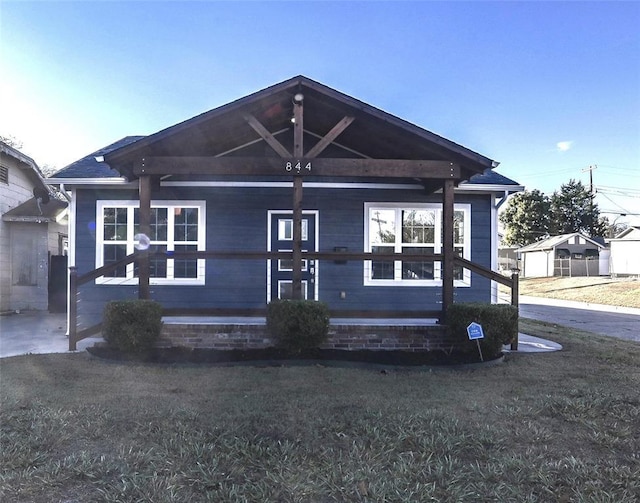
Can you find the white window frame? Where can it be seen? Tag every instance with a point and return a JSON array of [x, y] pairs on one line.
[[131, 205], [437, 273]]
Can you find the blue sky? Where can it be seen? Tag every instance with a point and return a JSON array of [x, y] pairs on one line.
[[545, 88]]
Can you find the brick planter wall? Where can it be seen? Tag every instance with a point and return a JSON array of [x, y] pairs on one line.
[[346, 337], [216, 336]]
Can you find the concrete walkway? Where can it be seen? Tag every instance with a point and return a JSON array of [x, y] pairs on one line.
[[531, 344], [36, 332]]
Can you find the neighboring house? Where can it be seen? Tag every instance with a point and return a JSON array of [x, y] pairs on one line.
[[625, 253], [565, 255], [33, 232], [507, 256], [286, 193]]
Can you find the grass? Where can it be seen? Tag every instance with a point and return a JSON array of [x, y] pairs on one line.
[[561, 427], [598, 290]]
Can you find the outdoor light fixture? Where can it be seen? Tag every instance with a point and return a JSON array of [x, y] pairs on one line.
[[298, 98]]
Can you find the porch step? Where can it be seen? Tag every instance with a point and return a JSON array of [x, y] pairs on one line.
[[261, 320]]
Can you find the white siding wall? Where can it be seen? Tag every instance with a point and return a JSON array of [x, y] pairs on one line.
[[536, 264], [19, 190], [29, 267], [624, 259]]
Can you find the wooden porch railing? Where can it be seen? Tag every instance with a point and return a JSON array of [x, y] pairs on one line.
[[75, 281]]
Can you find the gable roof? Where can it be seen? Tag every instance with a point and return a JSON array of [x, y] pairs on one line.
[[91, 166], [27, 164], [553, 242], [374, 134], [490, 177]]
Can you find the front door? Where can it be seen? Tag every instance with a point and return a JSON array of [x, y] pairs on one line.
[[280, 272]]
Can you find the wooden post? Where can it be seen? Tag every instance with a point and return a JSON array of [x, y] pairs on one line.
[[515, 294], [298, 152], [144, 184], [73, 307], [447, 246]]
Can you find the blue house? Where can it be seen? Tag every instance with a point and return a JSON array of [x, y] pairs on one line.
[[295, 191]]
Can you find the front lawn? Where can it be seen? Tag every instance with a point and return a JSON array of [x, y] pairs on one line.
[[548, 427], [596, 290]]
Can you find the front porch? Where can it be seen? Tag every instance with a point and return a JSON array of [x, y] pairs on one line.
[[226, 328]]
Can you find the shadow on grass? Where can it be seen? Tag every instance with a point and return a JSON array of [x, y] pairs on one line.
[[276, 357]]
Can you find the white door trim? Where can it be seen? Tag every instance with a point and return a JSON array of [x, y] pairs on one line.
[[316, 215]]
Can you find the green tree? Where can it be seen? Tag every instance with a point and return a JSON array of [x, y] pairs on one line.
[[526, 218], [573, 210]]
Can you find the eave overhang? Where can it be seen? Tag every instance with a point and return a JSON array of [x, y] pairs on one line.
[[489, 188], [73, 182]]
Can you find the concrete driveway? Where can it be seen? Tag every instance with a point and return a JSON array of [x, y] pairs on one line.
[[35, 332]]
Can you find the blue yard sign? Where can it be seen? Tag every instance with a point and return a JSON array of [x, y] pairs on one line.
[[474, 330]]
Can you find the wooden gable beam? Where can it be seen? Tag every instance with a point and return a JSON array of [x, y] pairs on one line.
[[144, 271], [447, 246], [329, 137], [298, 151], [267, 136], [323, 166]]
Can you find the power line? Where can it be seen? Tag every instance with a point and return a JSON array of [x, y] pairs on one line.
[[618, 190], [634, 171], [612, 201]]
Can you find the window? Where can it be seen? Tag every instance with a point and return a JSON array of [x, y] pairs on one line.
[[414, 229], [175, 226], [285, 229]]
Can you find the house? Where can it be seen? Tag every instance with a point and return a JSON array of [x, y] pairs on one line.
[[625, 250], [566, 255], [33, 237], [507, 255], [295, 191]]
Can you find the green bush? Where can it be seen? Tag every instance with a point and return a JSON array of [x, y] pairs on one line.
[[296, 325], [499, 325], [132, 325]]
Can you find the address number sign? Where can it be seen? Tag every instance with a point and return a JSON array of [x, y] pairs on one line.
[[297, 167]]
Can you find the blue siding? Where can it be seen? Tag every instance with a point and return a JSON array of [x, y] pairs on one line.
[[237, 220]]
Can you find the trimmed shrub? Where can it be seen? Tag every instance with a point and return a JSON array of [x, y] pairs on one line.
[[499, 325], [132, 325], [297, 325]]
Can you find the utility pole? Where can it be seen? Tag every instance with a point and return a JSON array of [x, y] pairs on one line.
[[590, 170]]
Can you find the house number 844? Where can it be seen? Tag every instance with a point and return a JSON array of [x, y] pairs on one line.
[[297, 167]]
